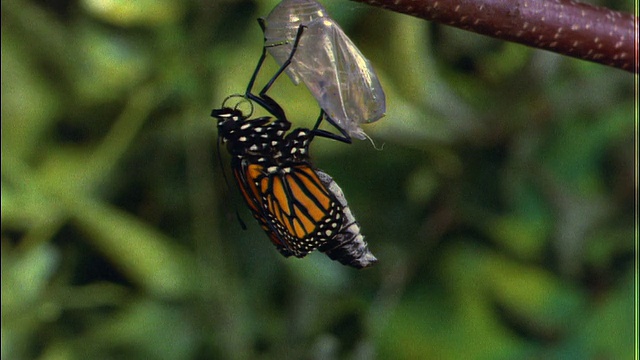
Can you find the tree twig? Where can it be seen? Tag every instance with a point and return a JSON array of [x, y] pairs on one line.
[[566, 27]]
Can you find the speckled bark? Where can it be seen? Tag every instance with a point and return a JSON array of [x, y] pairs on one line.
[[563, 26]]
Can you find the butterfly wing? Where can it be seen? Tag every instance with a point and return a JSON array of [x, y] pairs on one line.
[[246, 174], [291, 204], [298, 206]]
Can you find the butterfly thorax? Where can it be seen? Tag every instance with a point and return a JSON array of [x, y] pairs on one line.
[[250, 138]]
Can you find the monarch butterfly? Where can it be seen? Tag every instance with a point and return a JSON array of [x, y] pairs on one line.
[[299, 207], [337, 74]]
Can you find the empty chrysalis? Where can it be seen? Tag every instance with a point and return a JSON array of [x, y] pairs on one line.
[[337, 74]]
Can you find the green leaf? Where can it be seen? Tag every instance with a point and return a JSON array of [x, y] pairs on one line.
[[147, 256]]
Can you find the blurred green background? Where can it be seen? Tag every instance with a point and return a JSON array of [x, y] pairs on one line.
[[498, 198]]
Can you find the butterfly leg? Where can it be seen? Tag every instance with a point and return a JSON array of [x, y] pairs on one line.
[[255, 72], [266, 102], [262, 98], [294, 48], [345, 138]]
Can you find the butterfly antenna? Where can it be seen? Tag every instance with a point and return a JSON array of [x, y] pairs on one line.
[[226, 183]]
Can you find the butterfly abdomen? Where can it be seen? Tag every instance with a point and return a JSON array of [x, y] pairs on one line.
[[348, 245]]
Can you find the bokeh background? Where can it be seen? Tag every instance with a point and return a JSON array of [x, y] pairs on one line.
[[498, 197]]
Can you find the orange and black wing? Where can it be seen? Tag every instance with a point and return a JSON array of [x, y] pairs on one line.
[[293, 206], [245, 176]]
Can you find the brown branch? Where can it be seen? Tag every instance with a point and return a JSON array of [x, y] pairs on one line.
[[566, 27]]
